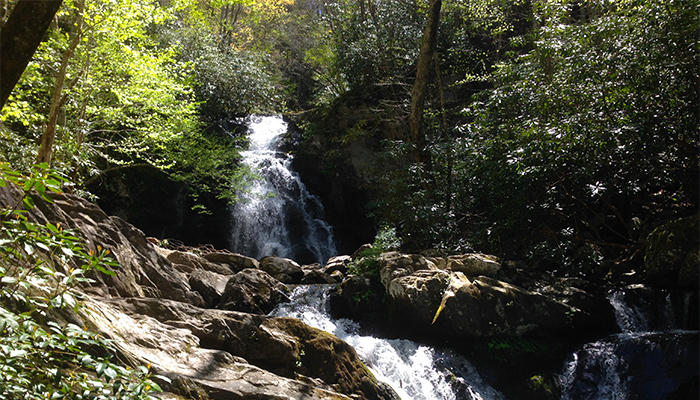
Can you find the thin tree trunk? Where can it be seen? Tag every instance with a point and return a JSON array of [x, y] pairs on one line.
[[420, 86], [57, 99]]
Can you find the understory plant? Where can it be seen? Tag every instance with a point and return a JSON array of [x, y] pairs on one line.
[[42, 266], [367, 263]]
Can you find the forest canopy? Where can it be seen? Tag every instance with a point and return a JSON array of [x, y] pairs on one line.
[[561, 131]]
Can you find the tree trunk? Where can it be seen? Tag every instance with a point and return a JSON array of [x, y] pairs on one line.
[[420, 86], [57, 99], [19, 39]]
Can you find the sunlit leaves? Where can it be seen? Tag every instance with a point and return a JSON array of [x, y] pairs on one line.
[[41, 268]]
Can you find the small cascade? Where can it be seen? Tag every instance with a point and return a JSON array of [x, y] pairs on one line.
[[639, 309], [414, 371], [650, 359], [278, 216]]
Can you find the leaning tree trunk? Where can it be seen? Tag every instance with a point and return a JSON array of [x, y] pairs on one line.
[[420, 86], [19, 39]]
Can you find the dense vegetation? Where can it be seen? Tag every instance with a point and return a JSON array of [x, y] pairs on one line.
[[42, 266], [558, 131]]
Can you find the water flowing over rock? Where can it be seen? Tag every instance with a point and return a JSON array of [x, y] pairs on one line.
[[651, 366], [215, 349], [415, 371], [652, 359], [278, 217]]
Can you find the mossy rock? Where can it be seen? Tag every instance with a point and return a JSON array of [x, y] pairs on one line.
[[673, 255]]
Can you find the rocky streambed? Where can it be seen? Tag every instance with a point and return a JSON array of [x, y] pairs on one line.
[[201, 319]]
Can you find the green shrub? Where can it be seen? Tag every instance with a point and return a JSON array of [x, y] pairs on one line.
[[40, 357], [367, 263]]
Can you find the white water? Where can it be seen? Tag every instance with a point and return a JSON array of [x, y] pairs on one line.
[[636, 363], [642, 316], [414, 371], [278, 216]]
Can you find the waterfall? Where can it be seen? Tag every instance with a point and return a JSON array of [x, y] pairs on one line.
[[414, 371], [277, 216], [650, 359], [639, 309]]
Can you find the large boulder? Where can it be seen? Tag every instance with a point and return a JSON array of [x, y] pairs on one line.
[[209, 285], [337, 263], [394, 265], [314, 274], [486, 307], [253, 291], [282, 269], [356, 297], [415, 298], [455, 297], [193, 261], [473, 264]]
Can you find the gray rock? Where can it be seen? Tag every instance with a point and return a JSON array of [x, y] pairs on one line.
[[236, 262], [253, 350], [196, 262], [486, 307], [315, 276], [209, 285], [416, 297], [394, 265], [474, 264], [278, 266], [254, 291], [141, 272], [176, 353], [338, 263]]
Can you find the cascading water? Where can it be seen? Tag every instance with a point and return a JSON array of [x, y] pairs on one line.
[[278, 216], [650, 359], [414, 371]]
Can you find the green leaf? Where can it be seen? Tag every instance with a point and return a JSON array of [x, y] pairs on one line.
[[86, 359], [28, 202], [40, 187], [18, 353], [28, 185], [111, 373]]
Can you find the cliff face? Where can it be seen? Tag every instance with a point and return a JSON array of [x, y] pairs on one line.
[[159, 312]]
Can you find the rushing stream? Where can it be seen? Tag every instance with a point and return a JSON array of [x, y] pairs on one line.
[[414, 371], [651, 359], [278, 216]]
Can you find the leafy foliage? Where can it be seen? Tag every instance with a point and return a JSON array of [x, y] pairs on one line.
[[586, 139], [41, 357], [590, 134], [367, 262], [374, 42]]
